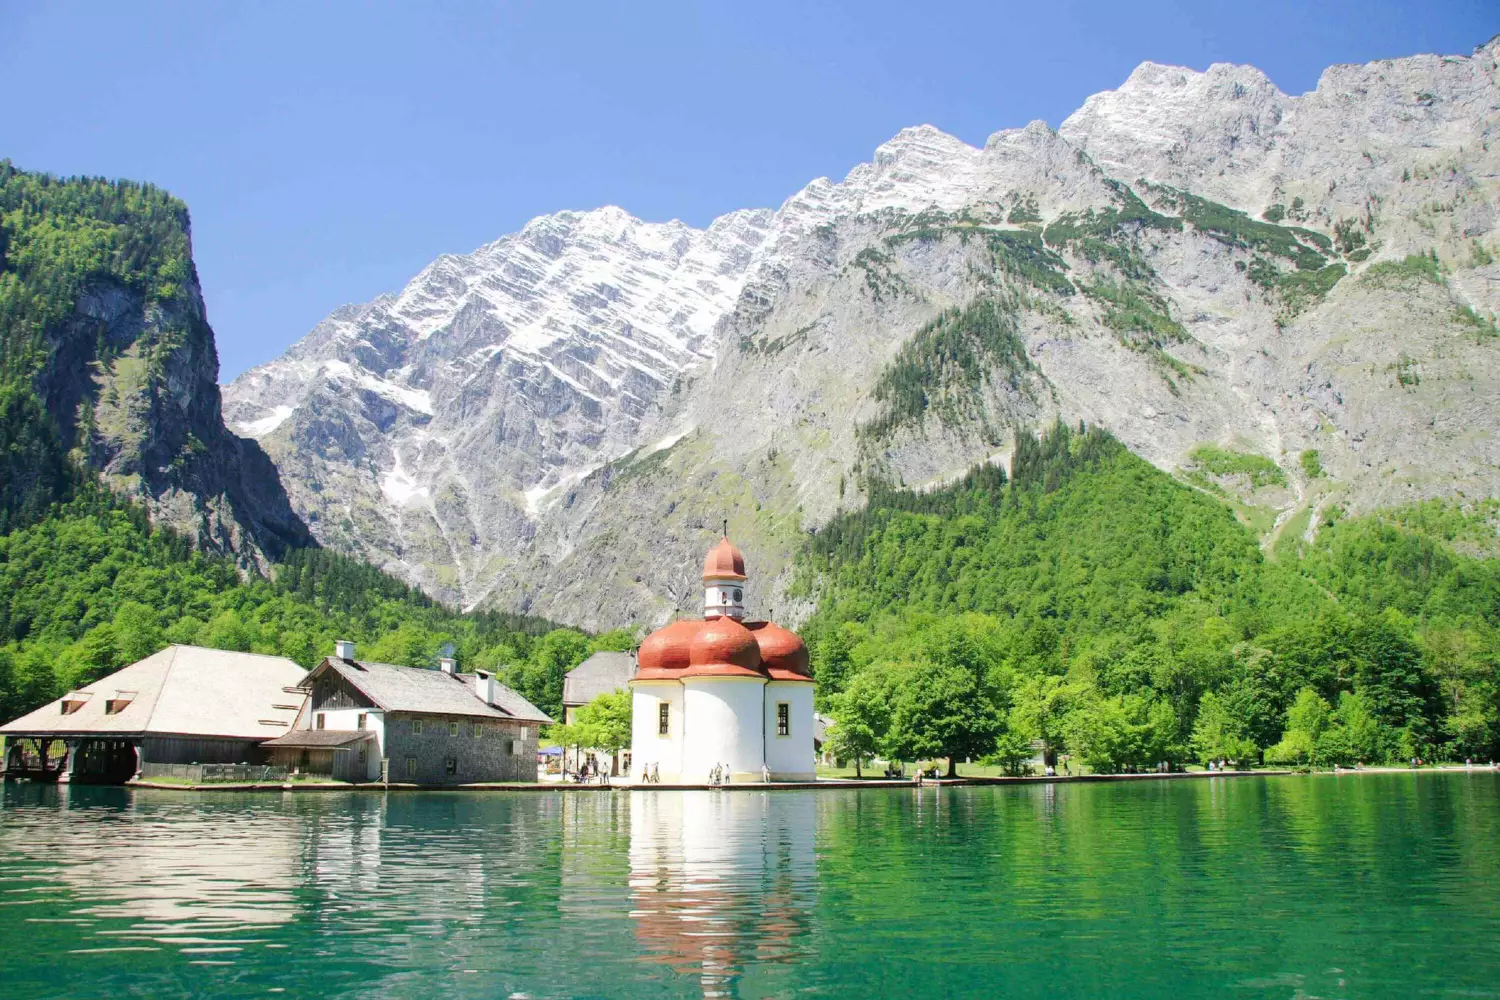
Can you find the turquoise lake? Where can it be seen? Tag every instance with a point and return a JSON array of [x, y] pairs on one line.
[[1374, 885]]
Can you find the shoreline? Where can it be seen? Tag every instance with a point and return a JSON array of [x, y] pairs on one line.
[[824, 784]]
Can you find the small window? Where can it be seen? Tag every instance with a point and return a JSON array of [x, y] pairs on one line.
[[783, 719], [69, 706], [416, 727], [450, 765], [411, 767], [452, 729], [322, 721], [478, 730], [362, 717], [663, 719], [515, 748], [114, 706]]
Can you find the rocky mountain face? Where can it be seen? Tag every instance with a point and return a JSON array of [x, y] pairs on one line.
[[1289, 301], [108, 367], [134, 383]]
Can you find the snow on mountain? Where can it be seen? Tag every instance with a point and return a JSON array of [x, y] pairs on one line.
[[554, 421]]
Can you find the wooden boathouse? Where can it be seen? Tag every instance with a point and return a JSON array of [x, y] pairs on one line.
[[182, 705]]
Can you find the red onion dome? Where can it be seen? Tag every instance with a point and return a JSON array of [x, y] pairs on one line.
[[783, 654], [723, 648], [724, 561], [664, 654]]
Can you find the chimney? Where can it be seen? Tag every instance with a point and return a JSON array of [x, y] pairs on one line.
[[447, 664], [484, 686], [343, 649]]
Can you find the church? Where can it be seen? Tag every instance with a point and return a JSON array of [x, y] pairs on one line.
[[722, 693]]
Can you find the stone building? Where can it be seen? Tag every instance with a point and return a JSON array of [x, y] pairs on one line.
[[181, 705], [721, 694], [376, 721]]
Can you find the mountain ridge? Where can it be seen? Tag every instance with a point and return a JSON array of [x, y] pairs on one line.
[[1230, 269]]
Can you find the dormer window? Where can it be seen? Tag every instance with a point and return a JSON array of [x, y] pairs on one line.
[[73, 702], [117, 704]]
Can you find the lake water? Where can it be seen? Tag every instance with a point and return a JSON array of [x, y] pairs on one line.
[[1351, 886]]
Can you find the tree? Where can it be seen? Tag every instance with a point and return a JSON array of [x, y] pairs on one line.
[[943, 711], [604, 724], [1012, 751], [861, 719], [540, 678], [1040, 709], [1219, 735], [1306, 720]]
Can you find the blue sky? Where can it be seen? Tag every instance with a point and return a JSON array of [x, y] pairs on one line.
[[328, 151]]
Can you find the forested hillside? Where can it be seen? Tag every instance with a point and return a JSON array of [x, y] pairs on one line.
[[108, 368], [1102, 606], [94, 587], [129, 517]]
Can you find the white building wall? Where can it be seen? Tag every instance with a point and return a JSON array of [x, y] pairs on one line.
[[647, 746], [348, 718], [724, 726], [790, 757]]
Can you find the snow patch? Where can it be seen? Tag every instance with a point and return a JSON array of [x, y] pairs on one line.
[[400, 489], [265, 425]]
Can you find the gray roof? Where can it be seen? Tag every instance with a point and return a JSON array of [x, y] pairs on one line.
[[431, 692], [183, 691], [315, 738], [599, 674]]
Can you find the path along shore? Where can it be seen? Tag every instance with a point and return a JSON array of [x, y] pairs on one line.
[[822, 784]]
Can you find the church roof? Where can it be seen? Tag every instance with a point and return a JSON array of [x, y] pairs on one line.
[[724, 561]]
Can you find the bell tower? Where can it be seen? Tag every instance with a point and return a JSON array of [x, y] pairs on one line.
[[724, 581]]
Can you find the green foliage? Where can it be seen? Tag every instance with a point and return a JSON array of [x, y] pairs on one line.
[[34, 468], [1219, 734], [1414, 269], [93, 587], [59, 235], [942, 368], [1304, 248], [602, 724], [1216, 461], [1105, 601], [1311, 462], [1137, 314], [1483, 326], [944, 709]]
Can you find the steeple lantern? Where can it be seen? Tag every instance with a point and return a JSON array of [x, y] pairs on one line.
[[724, 581]]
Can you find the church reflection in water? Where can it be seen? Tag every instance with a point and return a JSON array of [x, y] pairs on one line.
[[721, 882]]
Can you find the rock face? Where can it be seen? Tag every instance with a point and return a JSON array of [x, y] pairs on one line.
[[134, 383], [556, 422]]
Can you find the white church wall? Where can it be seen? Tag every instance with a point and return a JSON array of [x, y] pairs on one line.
[[790, 757], [648, 746], [724, 726]]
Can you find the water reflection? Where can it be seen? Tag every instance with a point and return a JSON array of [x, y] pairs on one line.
[[721, 880], [1367, 886], [173, 875]]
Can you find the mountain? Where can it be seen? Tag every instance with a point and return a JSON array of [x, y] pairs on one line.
[[1286, 301], [108, 368]]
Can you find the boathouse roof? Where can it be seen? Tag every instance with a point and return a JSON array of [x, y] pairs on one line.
[[179, 691]]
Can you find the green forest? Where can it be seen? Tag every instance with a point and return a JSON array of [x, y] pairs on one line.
[[1126, 619], [87, 584], [94, 587]]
